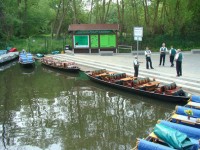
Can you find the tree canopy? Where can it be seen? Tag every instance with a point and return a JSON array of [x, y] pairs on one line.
[[26, 18]]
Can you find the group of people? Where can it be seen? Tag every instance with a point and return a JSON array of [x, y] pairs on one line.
[[173, 55]]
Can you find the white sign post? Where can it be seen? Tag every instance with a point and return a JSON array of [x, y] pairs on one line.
[[138, 34]]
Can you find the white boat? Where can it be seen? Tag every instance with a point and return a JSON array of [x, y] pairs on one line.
[[5, 58]]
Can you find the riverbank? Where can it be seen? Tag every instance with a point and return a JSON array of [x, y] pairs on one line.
[[124, 63]]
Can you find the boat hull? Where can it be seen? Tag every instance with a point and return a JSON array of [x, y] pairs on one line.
[[162, 97], [27, 65], [72, 70], [8, 61], [6, 58]]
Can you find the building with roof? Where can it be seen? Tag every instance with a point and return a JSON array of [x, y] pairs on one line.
[[94, 38]]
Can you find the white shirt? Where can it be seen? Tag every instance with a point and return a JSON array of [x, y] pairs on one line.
[[163, 49], [148, 53], [135, 62]]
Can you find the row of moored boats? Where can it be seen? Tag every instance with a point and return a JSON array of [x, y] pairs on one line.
[[181, 131], [27, 59]]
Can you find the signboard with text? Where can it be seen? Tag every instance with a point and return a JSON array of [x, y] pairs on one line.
[[138, 33]]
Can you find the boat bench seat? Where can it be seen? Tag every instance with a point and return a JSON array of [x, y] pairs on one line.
[[159, 90], [139, 82], [169, 89], [172, 89], [118, 76], [96, 72], [128, 83]]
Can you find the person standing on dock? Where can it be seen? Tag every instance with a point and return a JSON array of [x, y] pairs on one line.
[[163, 51], [148, 58], [172, 53], [136, 66], [179, 58]]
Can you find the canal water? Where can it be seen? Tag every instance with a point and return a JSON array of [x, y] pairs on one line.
[[45, 109]]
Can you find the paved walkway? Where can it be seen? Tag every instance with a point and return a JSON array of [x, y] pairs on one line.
[[124, 63]]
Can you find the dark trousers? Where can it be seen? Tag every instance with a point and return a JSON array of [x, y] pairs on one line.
[[162, 59], [179, 68], [136, 68], [148, 60], [172, 60]]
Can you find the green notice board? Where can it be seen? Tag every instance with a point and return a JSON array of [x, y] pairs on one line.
[[81, 41], [108, 40], [94, 40]]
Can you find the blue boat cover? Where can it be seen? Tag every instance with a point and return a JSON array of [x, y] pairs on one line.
[[195, 98], [174, 138], [3, 52], [39, 55], [26, 58], [146, 145], [181, 110], [190, 131], [55, 52]]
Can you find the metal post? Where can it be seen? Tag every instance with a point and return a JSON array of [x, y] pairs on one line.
[[137, 47]]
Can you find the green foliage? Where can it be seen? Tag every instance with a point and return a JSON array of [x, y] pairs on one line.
[[42, 44], [174, 21]]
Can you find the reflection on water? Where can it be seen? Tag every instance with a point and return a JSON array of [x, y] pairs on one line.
[[8, 65], [47, 109]]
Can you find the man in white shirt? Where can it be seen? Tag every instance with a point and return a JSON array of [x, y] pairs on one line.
[[163, 51], [148, 58]]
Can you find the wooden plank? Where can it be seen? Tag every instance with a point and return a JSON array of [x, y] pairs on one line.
[[193, 104]]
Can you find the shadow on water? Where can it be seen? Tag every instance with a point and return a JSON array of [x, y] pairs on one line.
[[8, 65], [27, 70], [49, 109]]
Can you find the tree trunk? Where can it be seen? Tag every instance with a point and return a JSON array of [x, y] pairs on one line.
[[25, 29], [64, 10], [135, 12], [106, 14], [75, 12], [155, 20], [55, 22], [90, 19], [146, 15]]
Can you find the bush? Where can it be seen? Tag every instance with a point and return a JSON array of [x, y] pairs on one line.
[[40, 44]]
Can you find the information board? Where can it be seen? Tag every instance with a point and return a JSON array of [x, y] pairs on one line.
[[138, 33], [107, 41], [81, 41], [94, 40]]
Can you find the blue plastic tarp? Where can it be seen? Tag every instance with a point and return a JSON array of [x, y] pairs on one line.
[[3, 52], [190, 131], [174, 138], [147, 145], [181, 110], [195, 98]]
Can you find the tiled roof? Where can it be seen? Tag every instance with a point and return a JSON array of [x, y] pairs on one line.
[[75, 27]]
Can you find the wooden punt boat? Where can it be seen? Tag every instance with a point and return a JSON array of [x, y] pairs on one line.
[[142, 86], [177, 129], [26, 59], [60, 65]]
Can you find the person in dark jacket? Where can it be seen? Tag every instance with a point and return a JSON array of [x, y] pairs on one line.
[[136, 66], [179, 59], [172, 53]]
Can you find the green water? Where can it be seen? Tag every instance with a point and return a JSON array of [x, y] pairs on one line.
[[44, 109]]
